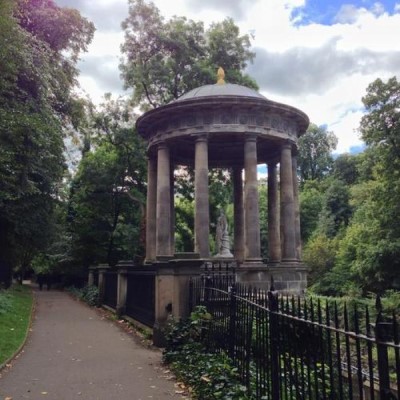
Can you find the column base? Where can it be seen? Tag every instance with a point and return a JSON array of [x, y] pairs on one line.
[[187, 256], [164, 258], [253, 261], [226, 254], [290, 261]]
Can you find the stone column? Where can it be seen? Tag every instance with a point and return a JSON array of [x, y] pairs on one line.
[[274, 239], [163, 231], [287, 206], [296, 207], [151, 208], [202, 213], [238, 218], [251, 215]]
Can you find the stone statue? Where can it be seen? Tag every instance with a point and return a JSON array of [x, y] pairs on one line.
[[222, 237]]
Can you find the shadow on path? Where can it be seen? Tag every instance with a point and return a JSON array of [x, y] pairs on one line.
[[75, 353]]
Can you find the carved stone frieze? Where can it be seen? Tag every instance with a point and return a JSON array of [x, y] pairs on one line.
[[228, 117]]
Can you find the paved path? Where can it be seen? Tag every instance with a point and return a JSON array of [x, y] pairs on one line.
[[73, 352]]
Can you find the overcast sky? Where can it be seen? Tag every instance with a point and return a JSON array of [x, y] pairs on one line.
[[315, 55]]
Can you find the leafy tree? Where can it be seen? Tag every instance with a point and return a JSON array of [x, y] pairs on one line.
[[368, 252], [220, 197], [164, 59], [315, 159], [226, 48], [184, 224], [106, 206], [337, 210], [366, 165], [380, 128], [345, 168], [263, 211], [39, 73], [319, 255], [311, 205]]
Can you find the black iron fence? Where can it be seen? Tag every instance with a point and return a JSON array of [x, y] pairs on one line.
[[110, 289], [140, 299], [298, 348]]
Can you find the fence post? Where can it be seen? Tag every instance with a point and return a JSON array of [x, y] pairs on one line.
[[381, 335], [191, 294], [102, 268], [232, 322], [91, 276], [274, 342], [122, 290], [207, 286]]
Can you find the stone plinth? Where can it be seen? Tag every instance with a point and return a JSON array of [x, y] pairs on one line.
[[172, 292], [287, 278], [102, 268], [122, 290]]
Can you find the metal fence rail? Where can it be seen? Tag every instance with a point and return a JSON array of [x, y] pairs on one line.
[[110, 289], [296, 348], [140, 300]]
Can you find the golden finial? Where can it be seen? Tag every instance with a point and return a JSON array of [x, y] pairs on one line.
[[221, 76]]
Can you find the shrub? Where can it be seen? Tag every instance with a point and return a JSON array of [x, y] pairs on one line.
[[210, 376], [5, 302], [89, 294]]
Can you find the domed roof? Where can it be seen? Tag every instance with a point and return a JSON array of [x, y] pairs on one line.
[[216, 90]]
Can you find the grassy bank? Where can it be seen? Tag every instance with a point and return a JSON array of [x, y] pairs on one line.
[[15, 311]]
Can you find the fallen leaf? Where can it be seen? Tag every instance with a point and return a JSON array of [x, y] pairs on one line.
[[8, 398]]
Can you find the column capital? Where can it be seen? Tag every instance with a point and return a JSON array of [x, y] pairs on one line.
[[162, 145], [202, 137], [272, 163], [250, 137], [287, 145]]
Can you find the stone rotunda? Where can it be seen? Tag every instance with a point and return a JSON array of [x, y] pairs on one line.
[[228, 126]]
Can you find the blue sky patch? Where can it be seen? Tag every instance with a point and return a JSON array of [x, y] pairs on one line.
[[325, 12]]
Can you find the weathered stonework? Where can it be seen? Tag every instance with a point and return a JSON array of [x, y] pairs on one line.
[[225, 126]]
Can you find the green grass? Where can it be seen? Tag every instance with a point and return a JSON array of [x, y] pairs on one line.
[[15, 312]]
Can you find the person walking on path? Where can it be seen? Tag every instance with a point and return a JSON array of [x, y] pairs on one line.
[[73, 352]]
